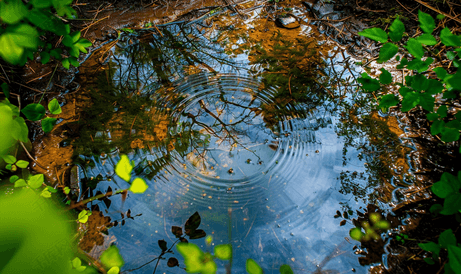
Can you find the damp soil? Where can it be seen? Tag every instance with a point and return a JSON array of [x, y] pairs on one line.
[[404, 158]]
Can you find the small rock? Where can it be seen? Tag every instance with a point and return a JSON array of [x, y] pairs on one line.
[[288, 21]]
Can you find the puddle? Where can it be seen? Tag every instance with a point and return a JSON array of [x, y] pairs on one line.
[[240, 121]]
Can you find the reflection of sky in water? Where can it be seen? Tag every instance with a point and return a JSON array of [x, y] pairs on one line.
[[280, 214]]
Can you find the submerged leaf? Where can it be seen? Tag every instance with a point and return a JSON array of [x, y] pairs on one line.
[[252, 267], [123, 168]]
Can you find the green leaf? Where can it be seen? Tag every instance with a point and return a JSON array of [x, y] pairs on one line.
[[54, 107], [442, 189], [419, 82], [39, 4], [82, 44], [285, 269], [440, 16], [388, 101], [76, 262], [36, 181], [34, 112], [426, 21], [47, 21], [426, 39], [449, 39], [111, 257], [114, 270], [66, 190], [415, 48], [383, 224], [73, 61], [402, 64], [9, 159], [123, 168], [454, 81], [454, 257], [67, 41], [14, 178], [375, 34], [223, 252], [442, 111], [437, 127], [429, 261], [5, 89], [22, 164], [52, 190], [12, 12], [447, 238], [449, 134], [19, 130], [387, 51], [15, 41], [20, 183], [48, 124], [452, 204], [451, 55], [65, 63], [436, 208], [432, 116], [252, 267], [418, 65], [385, 77], [356, 234], [410, 101], [396, 30], [192, 256], [368, 83], [430, 247], [427, 101], [434, 86], [45, 57], [75, 36]]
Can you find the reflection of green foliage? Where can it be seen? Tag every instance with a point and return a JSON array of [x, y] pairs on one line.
[[370, 230]]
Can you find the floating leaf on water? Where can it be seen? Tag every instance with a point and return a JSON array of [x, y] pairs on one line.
[[172, 262], [177, 231], [192, 223], [163, 245]]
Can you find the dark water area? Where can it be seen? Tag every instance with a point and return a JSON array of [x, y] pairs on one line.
[[257, 127]]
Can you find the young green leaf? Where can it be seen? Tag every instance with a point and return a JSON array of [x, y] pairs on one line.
[[20, 183], [415, 48], [223, 252], [123, 168], [45, 57], [396, 30], [427, 101], [356, 234], [368, 83], [452, 204], [426, 21], [36, 181], [114, 270], [375, 34], [34, 112], [388, 101], [12, 12], [54, 107], [14, 178], [449, 134], [111, 257], [430, 247], [83, 216], [9, 159], [22, 164], [15, 42], [138, 186], [449, 39], [252, 267], [387, 51], [65, 63], [426, 39], [385, 77], [5, 89], [410, 101], [285, 269], [447, 238], [76, 262], [48, 124], [454, 257]]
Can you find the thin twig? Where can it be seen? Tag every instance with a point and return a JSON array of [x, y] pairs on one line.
[[30, 156], [8, 79], [438, 11]]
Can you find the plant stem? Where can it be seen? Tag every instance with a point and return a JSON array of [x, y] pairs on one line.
[[43, 94]]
